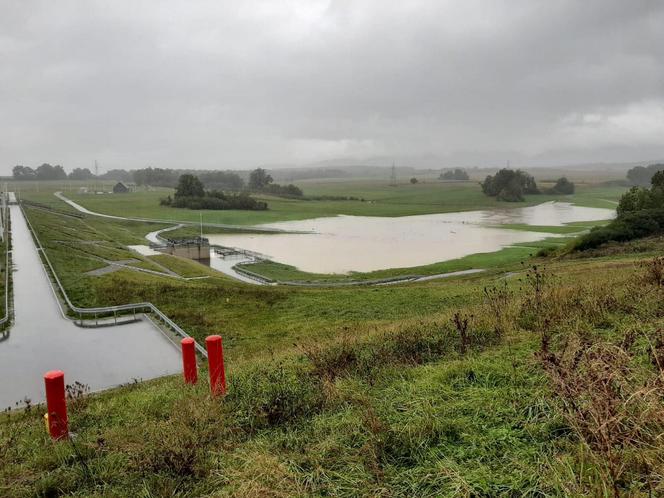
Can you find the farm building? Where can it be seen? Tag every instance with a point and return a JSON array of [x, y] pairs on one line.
[[120, 188]]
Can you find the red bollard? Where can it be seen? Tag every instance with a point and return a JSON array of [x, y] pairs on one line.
[[56, 404], [215, 352], [189, 360]]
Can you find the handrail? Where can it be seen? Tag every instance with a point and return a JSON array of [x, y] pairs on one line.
[[5, 318], [141, 307]]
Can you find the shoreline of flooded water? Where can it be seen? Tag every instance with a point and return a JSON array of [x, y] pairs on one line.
[[344, 244]]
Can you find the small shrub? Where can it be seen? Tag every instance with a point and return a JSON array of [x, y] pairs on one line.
[[461, 325], [655, 271], [498, 300], [76, 394], [177, 444], [657, 351], [612, 408], [273, 394], [361, 357]]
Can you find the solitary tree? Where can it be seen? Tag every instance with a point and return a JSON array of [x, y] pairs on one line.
[[259, 179], [564, 186]]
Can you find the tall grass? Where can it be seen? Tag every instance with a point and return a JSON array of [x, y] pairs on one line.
[[547, 386]]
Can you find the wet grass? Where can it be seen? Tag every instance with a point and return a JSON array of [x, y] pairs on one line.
[[380, 199], [389, 409], [182, 266], [251, 318], [376, 391], [569, 228]]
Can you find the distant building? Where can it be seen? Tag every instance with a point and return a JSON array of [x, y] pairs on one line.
[[120, 188]]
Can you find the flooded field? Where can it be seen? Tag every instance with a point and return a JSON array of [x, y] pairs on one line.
[[358, 243]]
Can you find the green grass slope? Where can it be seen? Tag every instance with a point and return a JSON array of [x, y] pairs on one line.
[[463, 400]]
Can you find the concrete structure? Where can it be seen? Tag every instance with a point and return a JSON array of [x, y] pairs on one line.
[[198, 249]]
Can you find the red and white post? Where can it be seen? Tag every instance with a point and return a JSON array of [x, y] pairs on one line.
[[56, 404], [190, 368], [215, 352]]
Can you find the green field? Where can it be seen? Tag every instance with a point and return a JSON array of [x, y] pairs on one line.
[[380, 200], [538, 377], [364, 391]]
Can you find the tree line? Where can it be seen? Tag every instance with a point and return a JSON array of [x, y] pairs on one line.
[[457, 174], [57, 172], [259, 179]]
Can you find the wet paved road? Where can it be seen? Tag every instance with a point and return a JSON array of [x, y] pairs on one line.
[[41, 339]]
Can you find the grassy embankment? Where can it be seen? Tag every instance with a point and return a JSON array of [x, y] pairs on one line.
[[511, 405], [251, 318], [383, 394]]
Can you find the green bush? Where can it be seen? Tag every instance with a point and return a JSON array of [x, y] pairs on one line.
[[633, 225]]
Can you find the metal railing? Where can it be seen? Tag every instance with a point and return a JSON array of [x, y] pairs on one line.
[[145, 307], [7, 241]]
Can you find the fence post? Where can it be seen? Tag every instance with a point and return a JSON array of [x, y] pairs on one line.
[[189, 360], [215, 351], [56, 404]]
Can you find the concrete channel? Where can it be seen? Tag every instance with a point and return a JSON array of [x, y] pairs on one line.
[[42, 338]]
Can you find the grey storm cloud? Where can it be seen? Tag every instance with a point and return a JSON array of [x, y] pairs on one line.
[[236, 84]]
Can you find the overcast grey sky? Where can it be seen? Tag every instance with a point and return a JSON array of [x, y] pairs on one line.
[[237, 84]]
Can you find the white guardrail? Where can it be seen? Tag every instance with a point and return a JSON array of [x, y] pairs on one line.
[[145, 307]]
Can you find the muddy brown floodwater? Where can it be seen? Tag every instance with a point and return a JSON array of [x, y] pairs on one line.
[[342, 244]]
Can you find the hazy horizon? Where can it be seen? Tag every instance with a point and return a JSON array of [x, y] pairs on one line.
[[223, 85]]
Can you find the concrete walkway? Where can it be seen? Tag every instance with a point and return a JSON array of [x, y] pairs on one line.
[[41, 339]]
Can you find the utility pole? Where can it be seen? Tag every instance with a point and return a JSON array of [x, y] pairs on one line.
[[96, 176], [393, 176]]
